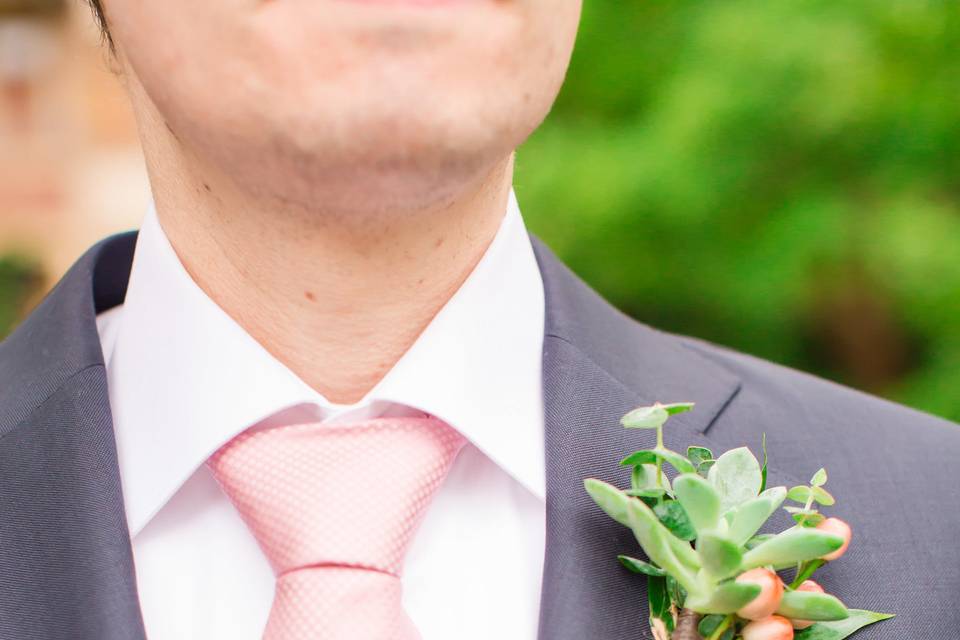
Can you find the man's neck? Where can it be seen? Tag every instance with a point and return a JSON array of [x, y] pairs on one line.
[[336, 300]]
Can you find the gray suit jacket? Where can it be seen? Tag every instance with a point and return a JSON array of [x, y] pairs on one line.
[[66, 571]]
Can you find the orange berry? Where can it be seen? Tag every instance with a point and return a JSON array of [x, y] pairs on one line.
[[771, 590], [808, 585], [772, 628], [837, 527]]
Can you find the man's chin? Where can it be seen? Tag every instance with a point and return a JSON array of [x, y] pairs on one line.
[[373, 181]]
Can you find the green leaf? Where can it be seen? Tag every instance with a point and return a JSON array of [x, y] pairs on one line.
[[658, 599], [662, 547], [763, 469], [810, 520], [727, 597], [651, 417], [673, 555], [639, 566], [806, 517], [719, 556], [776, 495], [810, 605], [644, 456], [644, 476], [704, 467], [747, 519], [821, 496], [675, 518], [653, 492], [698, 455], [799, 494], [648, 456], [677, 593], [793, 545], [676, 460], [708, 624], [736, 476], [819, 478], [757, 540], [613, 501], [677, 407], [841, 628], [700, 499]]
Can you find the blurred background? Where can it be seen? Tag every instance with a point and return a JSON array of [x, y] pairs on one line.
[[779, 177]]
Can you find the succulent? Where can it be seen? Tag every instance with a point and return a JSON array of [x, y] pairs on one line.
[[711, 573]]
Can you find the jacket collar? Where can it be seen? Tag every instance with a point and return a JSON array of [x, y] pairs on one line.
[[597, 364]]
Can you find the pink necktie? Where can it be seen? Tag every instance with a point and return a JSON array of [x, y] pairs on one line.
[[334, 508]]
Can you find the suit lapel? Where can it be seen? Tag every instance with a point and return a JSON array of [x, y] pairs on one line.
[[66, 569], [598, 365], [584, 593]]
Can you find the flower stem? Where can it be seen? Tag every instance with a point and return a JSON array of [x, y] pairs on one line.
[[803, 521], [723, 626], [806, 507], [659, 460], [806, 570]]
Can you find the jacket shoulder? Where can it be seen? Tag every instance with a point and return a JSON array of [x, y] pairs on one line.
[[891, 470], [823, 411], [59, 338]]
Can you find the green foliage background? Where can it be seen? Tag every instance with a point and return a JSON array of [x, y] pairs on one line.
[[20, 280], [782, 177], [779, 176]]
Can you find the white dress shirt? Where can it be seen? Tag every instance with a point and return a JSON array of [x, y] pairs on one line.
[[185, 378]]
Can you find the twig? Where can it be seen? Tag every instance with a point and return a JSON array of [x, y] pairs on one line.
[[687, 623]]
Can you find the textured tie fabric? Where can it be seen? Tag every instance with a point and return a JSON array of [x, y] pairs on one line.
[[334, 508]]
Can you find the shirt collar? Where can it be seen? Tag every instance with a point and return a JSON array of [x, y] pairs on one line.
[[184, 377]]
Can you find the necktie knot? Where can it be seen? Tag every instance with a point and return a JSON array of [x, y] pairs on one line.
[[334, 508]]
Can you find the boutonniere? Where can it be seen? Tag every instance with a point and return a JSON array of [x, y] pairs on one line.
[[710, 573]]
